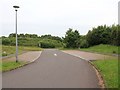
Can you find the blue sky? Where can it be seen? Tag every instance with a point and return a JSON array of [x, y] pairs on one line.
[[56, 16]]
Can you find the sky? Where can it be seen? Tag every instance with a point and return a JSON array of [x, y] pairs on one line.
[[55, 17]]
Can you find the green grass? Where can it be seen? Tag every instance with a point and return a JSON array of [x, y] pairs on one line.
[[8, 65], [7, 50], [108, 68], [109, 71], [105, 49]]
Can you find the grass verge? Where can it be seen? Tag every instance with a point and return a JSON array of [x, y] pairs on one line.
[[109, 71], [7, 50], [105, 49], [10, 65]]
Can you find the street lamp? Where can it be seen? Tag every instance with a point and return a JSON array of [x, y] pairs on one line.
[[16, 7]]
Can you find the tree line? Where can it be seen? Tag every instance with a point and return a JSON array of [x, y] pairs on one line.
[[44, 41], [100, 35]]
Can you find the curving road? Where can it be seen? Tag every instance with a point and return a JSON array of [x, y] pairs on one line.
[[53, 69]]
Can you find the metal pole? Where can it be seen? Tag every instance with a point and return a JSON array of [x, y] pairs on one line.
[[16, 39]]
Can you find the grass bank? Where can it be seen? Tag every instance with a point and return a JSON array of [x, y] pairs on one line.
[[9, 65], [109, 71], [7, 50], [105, 49]]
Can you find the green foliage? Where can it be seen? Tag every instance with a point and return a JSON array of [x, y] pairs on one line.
[[51, 37], [46, 41], [104, 35], [72, 39], [84, 44], [47, 45], [100, 35], [6, 41]]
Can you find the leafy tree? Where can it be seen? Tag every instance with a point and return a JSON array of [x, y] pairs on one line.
[[104, 35], [6, 41], [72, 39], [12, 35]]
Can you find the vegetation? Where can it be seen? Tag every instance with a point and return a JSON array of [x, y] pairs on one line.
[[100, 35], [102, 48], [104, 35], [72, 39], [45, 41], [109, 71], [7, 50], [8, 65], [102, 39]]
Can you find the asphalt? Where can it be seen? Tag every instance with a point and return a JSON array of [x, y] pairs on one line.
[[53, 69]]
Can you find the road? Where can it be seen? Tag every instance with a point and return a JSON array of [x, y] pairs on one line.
[[53, 69]]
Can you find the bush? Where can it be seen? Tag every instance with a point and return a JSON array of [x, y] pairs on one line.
[[47, 45], [27, 40], [114, 52], [6, 41], [84, 44]]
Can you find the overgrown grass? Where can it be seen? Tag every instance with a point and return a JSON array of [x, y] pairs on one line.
[[109, 71], [105, 49], [8, 65], [7, 50]]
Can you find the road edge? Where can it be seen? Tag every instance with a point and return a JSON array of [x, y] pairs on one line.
[[101, 81], [99, 75], [24, 64]]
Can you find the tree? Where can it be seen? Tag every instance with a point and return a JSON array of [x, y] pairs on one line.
[[72, 39], [104, 35], [12, 35]]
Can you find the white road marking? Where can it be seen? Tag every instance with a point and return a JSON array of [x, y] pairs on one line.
[[55, 54]]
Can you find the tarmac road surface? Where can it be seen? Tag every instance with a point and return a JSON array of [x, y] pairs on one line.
[[53, 69]]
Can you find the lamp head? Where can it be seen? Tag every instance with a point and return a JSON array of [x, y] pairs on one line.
[[16, 7]]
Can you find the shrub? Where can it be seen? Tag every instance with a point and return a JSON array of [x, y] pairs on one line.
[[84, 44], [47, 45]]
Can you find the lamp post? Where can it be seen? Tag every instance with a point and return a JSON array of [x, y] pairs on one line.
[[119, 12], [16, 7]]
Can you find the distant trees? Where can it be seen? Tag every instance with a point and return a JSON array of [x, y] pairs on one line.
[[45, 41], [51, 37], [12, 35], [23, 35], [100, 35], [72, 39]]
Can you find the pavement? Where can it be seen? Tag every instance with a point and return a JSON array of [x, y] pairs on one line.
[[53, 69], [88, 55], [27, 57]]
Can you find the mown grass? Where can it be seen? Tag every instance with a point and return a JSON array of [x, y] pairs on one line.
[[105, 49], [8, 65], [109, 71], [7, 50], [109, 66]]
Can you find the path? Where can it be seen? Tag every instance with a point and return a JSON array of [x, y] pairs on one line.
[[88, 55], [28, 56], [54, 69]]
